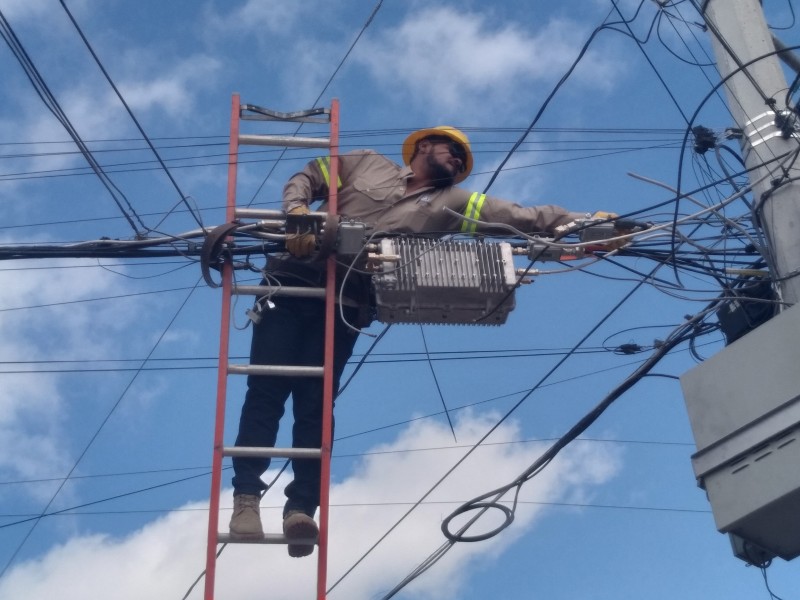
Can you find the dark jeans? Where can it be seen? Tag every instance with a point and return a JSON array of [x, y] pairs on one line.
[[292, 333]]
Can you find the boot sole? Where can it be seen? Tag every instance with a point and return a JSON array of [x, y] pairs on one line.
[[300, 529]]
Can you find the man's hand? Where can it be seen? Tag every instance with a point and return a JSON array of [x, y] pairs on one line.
[[300, 244], [605, 216]]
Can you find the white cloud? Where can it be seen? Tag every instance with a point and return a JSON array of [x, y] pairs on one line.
[[164, 90], [163, 558], [448, 58], [17, 10], [261, 17], [173, 90], [33, 407]]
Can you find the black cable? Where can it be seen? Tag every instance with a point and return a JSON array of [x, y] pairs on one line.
[[650, 62], [665, 45], [543, 106], [480, 503], [484, 506], [741, 68], [772, 595], [94, 437], [436, 382], [53, 106], [705, 99], [134, 119], [487, 434], [364, 27], [37, 518]]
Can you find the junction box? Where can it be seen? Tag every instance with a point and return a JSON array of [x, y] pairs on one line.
[[744, 409]]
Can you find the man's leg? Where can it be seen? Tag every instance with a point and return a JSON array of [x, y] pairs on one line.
[[303, 493], [276, 340]]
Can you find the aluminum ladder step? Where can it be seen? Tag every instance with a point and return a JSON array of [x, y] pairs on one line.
[[223, 537], [275, 290], [267, 452], [279, 370], [270, 452], [286, 141]]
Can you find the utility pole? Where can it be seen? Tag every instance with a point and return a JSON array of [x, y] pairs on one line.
[[756, 89], [743, 402]]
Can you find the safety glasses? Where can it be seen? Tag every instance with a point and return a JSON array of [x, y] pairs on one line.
[[456, 149]]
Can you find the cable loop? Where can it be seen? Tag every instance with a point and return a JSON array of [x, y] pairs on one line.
[[464, 508]]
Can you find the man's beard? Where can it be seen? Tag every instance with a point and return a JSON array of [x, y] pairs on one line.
[[440, 174]]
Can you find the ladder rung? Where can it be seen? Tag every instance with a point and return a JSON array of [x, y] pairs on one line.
[[258, 213], [274, 290], [284, 140], [270, 213], [281, 370], [268, 452], [267, 538]]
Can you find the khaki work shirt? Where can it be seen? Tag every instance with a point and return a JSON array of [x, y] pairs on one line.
[[372, 189]]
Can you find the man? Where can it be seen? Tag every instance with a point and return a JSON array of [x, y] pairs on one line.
[[387, 197]]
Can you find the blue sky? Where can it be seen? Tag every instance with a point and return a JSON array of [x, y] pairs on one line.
[[108, 382]]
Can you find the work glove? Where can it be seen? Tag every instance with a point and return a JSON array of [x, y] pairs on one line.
[[605, 216], [297, 243]]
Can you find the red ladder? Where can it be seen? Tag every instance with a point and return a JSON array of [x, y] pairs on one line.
[[330, 116]]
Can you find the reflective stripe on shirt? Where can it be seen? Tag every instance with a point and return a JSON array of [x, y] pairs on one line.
[[324, 164], [473, 211]]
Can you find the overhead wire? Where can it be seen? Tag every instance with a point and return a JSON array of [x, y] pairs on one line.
[[436, 382], [336, 70], [774, 159], [144, 135], [543, 106], [535, 120], [369, 20], [640, 45], [437, 554], [579, 427], [490, 500], [659, 259], [49, 100], [93, 438]]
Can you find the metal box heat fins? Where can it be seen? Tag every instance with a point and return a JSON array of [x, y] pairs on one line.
[[435, 282]]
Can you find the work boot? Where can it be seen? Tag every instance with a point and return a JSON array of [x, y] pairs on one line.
[[297, 525], [246, 519]]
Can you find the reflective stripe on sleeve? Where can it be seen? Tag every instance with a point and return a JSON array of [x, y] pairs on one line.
[[324, 164], [473, 211]]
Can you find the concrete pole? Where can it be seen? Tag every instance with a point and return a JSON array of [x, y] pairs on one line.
[[739, 34]]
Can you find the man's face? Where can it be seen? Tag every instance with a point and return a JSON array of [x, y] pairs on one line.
[[445, 159]]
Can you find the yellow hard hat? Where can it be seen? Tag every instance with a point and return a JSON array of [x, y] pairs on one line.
[[444, 130]]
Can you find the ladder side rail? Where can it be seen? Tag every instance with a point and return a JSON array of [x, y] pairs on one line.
[[327, 406], [222, 369]]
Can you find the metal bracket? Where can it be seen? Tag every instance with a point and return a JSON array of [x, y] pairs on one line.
[[300, 116]]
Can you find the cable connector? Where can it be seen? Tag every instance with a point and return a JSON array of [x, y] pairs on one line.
[[254, 314], [543, 251], [786, 121], [595, 232]]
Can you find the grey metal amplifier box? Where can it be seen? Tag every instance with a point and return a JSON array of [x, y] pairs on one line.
[[445, 281]]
